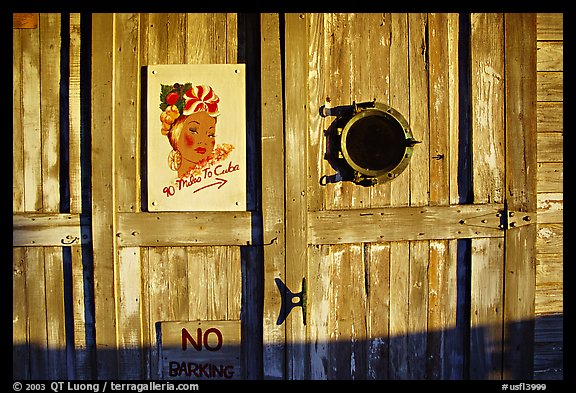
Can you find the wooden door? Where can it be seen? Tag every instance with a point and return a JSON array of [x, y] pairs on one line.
[[426, 276]]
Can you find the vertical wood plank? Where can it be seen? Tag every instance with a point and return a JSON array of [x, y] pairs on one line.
[[486, 308], [20, 349], [273, 198], [17, 123], [74, 116], [399, 196], [55, 313], [130, 341], [399, 292], [316, 97], [50, 109], [319, 310], [231, 38], [197, 287], [487, 66], [378, 310], [233, 265], [338, 58], [295, 166], [178, 293], [454, 99], [36, 306], [158, 306], [439, 104], [442, 361], [102, 194], [127, 112], [420, 179], [318, 278], [31, 120], [379, 59], [418, 309], [487, 45], [84, 324], [399, 85], [521, 167], [419, 116]]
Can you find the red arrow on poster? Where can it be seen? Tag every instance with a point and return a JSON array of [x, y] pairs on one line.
[[220, 183]]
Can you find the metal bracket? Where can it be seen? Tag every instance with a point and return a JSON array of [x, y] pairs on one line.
[[502, 219], [289, 302], [516, 219]]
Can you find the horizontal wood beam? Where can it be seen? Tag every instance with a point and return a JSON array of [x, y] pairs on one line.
[[184, 229], [404, 223], [49, 229]]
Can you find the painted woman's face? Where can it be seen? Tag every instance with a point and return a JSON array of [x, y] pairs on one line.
[[197, 138]]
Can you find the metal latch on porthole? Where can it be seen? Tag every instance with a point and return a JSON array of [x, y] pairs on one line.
[[291, 300], [368, 143]]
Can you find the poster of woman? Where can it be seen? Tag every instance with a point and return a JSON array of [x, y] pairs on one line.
[[196, 137]]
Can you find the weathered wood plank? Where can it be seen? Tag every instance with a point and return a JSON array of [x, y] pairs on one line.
[[48, 229], [446, 358], [20, 351], [549, 284], [550, 116], [377, 310], [419, 116], [440, 110], [50, 110], [337, 60], [316, 97], [157, 301], [319, 311], [36, 306], [378, 71], [103, 194], [550, 208], [487, 46], [399, 310], [549, 238], [550, 177], [399, 85], [17, 124], [550, 56], [233, 265], [296, 51], [550, 147], [398, 224], [550, 86], [486, 302], [127, 112], [74, 117], [520, 256], [130, 342], [454, 99], [83, 313], [273, 197], [549, 26], [194, 228], [31, 120], [56, 366], [418, 309]]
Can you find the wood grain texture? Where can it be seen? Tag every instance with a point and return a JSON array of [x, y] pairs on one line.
[[398, 223], [273, 200], [550, 116], [48, 229], [103, 195], [550, 86], [50, 110], [549, 26], [487, 46], [184, 228], [520, 256], [295, 186], [550, 56]]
